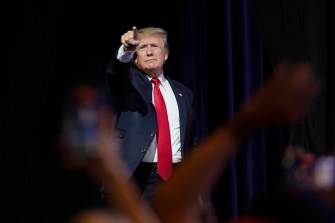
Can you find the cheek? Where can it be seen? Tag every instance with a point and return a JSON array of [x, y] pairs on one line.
[[138, 61]]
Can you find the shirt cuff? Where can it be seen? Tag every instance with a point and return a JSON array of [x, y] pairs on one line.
[[125, 56]]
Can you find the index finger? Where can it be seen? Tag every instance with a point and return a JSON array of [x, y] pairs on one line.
[[134, 33]]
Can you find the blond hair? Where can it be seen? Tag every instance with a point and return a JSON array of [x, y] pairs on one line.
[[156, 31]]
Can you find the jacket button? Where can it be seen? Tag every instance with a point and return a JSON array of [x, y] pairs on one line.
[[143, 150], [152, 134]]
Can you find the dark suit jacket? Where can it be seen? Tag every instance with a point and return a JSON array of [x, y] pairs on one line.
[[131, 99]]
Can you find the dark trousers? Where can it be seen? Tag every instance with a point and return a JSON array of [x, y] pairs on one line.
[[147, 179]]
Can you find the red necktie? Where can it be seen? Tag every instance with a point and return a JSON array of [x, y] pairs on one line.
[[164, 168]]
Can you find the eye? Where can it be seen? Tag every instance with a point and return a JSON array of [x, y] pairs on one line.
[[142, 48], [155, 47]]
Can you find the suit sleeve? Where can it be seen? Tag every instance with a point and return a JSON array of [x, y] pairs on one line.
[[117, 80]]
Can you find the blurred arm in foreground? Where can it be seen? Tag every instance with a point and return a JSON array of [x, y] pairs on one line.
[[283, 99]]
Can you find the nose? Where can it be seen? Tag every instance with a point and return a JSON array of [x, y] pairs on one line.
[[149, 50]]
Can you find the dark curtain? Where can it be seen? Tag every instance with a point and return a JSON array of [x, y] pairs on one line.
[[304, 30], [216, 49]]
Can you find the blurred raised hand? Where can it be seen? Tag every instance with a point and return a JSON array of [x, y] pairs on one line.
[[87, 142], [284, 98]]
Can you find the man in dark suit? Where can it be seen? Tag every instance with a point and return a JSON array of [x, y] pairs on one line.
[[140, 58]]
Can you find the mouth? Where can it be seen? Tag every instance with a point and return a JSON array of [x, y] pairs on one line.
[[151, 60]]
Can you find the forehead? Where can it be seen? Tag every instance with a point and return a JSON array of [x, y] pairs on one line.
[[150, 38]]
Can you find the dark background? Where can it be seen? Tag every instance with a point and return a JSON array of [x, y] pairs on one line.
[[222, 50]]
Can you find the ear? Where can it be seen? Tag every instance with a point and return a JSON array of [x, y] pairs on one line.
[[166, 57]]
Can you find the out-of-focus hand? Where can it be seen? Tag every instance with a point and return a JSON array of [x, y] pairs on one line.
[[130, 39], [285, 97]]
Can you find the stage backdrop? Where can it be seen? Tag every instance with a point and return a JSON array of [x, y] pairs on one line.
[[222, 50]]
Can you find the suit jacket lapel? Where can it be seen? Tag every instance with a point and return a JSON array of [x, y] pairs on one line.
[[142, 84]]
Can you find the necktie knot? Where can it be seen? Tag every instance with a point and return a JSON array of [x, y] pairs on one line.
[[155, 80]]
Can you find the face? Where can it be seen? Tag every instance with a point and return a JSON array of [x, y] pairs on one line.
[[151, 54]]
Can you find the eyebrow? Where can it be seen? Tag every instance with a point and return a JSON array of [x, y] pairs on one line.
[[145, 44]]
